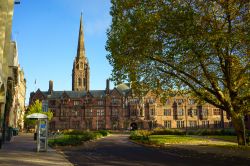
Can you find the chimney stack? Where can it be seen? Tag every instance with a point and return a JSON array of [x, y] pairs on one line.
[[107, 86], [50, 86]]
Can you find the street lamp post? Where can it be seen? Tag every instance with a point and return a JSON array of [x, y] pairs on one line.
[[97, 119]]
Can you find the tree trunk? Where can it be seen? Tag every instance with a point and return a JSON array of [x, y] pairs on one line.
[[239, 127]]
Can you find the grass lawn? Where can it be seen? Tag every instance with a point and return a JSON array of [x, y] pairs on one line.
[[175, 139], [227, 141], [212, 144], [224, 137]]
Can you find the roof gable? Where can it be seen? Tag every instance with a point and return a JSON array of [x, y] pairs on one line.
[[65, 95], [97, 93], [115, 92], [39, 95]]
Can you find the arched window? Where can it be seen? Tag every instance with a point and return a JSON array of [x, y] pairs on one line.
[[79, 82], [84, 82]]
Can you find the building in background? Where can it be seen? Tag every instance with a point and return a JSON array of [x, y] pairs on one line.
[[120, 108]]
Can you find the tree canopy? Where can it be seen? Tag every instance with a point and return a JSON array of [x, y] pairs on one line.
[[36, 107], [196, 45]]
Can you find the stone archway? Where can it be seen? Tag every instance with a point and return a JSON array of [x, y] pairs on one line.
[[133, 126]]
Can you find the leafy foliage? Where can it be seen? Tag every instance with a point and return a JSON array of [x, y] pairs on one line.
[[104, 132], [76, 137], [198, 46], [218, 132], [168, 132], [36, 107], [81, 132], [140, 135]]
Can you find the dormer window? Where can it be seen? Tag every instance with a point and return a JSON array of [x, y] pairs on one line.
[[151, 101], [180, 101]]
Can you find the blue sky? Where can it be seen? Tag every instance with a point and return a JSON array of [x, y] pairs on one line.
[[46, 32]]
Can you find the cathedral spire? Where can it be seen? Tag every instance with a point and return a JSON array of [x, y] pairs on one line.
[[80, 71], [81, 47]]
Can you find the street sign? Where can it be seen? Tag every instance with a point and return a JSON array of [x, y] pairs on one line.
[[42, 126]]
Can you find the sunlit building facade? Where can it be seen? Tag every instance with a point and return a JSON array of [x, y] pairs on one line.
[[119, 108]]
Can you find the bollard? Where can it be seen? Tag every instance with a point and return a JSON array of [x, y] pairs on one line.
[[35, 136]]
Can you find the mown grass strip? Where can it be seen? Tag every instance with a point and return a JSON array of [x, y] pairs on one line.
[[174, 139], [224, 138]]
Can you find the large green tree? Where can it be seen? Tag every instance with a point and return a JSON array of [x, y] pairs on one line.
[[197, 45]]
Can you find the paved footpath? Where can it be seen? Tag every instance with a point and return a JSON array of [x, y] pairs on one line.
[[21, 151]]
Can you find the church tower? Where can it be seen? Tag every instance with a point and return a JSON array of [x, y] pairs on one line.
[[80, 71]]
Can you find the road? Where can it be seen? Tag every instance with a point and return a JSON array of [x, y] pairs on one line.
[[118, 150]]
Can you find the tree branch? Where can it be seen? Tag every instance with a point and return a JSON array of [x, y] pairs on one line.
[[204, 97]]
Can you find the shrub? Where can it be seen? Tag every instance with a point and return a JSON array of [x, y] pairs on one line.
[[216, 132], [140, 135], [168, 132], [91, 136], [74, 132], [104, 132], [75, 137], [191, 132], [66, 140]]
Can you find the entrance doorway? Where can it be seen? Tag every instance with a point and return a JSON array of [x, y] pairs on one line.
[[133, 126]]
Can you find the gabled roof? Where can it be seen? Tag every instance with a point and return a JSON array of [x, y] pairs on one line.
[[97, 93], [122, 89], [73, 94], [39, 92], [115, 91]]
